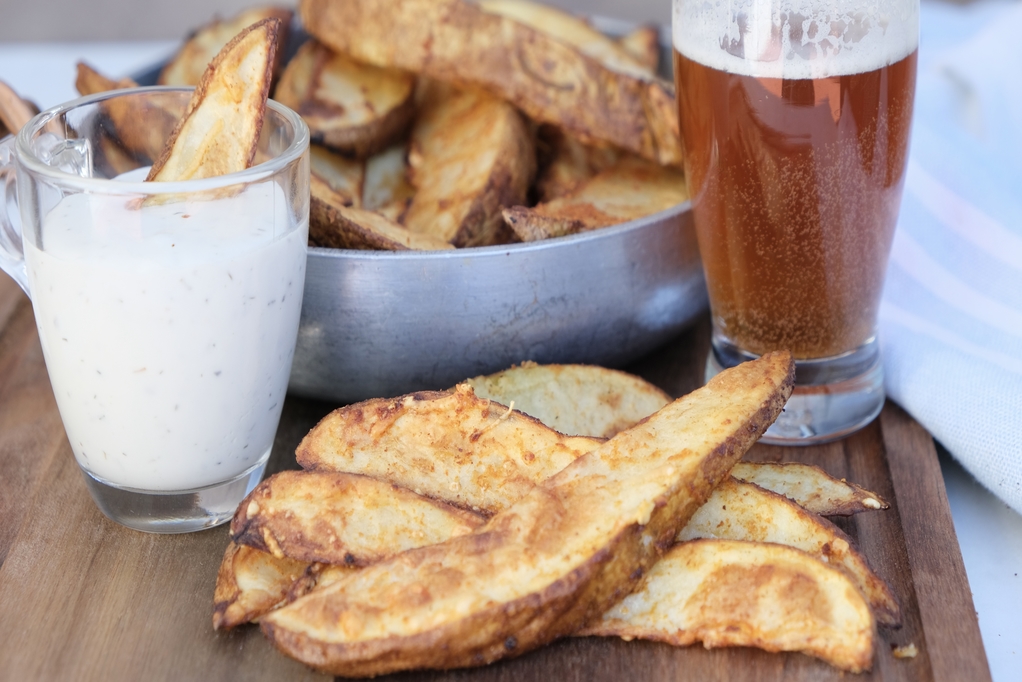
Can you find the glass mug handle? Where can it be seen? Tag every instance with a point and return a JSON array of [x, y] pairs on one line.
[[12, 251]]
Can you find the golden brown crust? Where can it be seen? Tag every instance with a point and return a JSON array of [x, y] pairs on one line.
[[191, 61], [250, 583], [729, 593], [14, 111], [471, 155], [335, 224], [550, 81], [201, 149], [344, 519], [353, 108], [554, 560]]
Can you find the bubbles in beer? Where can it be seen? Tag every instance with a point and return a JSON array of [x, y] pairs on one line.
[[796, 39]]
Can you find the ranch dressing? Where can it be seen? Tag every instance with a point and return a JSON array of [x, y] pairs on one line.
[[168, 331]]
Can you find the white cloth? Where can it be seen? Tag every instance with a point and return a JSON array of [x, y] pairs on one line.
[[951, 316]]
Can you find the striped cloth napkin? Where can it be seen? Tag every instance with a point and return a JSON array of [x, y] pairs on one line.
[[951, 316]]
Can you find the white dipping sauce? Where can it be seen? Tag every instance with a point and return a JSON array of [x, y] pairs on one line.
[[169, 330]]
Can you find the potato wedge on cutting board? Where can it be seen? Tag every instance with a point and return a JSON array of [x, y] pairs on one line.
[[552, 82], [471, 155], [631, 189], [574, 399], [727, 593], [250, 583], [220, 129], [188, 65], [449, 445], [811, 487], [554, 560], [351, 107], [345, 519], [744, 511]]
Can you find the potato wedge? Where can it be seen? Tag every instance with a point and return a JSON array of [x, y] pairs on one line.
[[471, 155], [344, 176], [643, 45], [250, 583], [570, 30], [220, 129], [811, 487], [189, 64], [386, 189], [138, 129], [631, 189], [89, 81], [556, 559], [338, 518], [334, 224], [351, 107], [14, 111], [744, 511], [552, 82], [726, 593], [318, 576], [574, 399], [568, 162], [449, 445]]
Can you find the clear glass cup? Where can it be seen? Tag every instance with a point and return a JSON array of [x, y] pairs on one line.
[[795, 120], [167, 312]]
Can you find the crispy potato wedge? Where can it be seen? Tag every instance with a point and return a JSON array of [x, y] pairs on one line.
[[343, 175], [578, 400], [471, 155], [334, 224], [14, 111], [811, 487], [744, 511], [571, 30], [354, 108], [338, 518], [89, 81], [138, 130], [631, 189], [189, 64], [448, 445], [250, 583], [220, 129], [552, 82], [318, 576], [726, 593], [643, 45], [568, 162], [556, 559], [386, 189]]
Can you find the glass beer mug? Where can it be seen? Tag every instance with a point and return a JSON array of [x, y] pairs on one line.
[[795, 121]]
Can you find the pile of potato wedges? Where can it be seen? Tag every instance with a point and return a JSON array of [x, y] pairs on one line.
[[455, 124], [455, 528]]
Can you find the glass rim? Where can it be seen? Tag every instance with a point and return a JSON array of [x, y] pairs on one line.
[[255, 173]]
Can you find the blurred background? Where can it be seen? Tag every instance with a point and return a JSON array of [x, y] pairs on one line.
[[86, 20]]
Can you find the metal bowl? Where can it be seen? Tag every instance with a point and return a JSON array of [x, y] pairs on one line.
[[378, 324], [382, 324]]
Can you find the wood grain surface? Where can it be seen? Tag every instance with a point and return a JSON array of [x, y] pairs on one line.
[[83, 598]]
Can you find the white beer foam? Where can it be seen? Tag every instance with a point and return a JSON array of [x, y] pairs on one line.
[[796, 39]]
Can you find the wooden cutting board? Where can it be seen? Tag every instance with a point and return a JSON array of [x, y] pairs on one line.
[[83, 598]]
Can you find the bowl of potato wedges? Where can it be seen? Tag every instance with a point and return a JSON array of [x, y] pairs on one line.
[[491, 183]]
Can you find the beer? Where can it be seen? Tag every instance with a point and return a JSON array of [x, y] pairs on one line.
[[796, 184]]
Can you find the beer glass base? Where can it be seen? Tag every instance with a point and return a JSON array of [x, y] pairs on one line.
[[833, 397], [175, 511]]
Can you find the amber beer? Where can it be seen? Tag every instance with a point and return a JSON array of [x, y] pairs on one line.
[[796, 185]]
